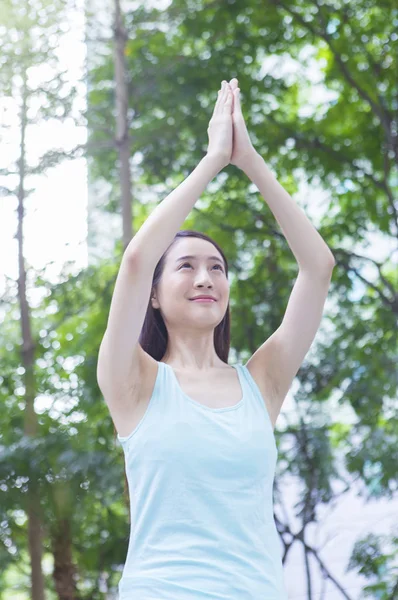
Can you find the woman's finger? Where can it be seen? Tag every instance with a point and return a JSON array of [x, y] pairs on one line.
[[224, 93], [237, 105], [219, 101], [228, 102]]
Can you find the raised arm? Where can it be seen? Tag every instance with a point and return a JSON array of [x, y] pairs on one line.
[[122, 363]]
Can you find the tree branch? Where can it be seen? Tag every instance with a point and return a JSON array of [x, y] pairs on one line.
[[392, 304]]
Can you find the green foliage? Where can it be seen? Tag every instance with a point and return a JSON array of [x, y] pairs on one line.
[[376, 557]]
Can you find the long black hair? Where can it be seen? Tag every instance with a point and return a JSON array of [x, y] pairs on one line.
[[154, 337]]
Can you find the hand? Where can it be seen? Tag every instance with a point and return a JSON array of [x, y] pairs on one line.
[[243, 149], [220, 127]]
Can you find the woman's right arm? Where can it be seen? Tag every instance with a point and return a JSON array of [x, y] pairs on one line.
[[122, 364]]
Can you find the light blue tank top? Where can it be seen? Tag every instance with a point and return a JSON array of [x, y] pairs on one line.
[[200, 484]]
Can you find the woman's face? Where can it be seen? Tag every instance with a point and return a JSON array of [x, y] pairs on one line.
[[184, 278]]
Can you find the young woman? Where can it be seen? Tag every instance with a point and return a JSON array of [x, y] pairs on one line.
[[197, 433]]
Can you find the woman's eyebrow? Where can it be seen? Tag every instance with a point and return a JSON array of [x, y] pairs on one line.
[[195, 257]]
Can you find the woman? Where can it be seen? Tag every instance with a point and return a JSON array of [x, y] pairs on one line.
[[197, 433]]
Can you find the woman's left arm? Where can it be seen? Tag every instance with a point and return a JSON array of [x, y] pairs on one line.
[[275, 364]]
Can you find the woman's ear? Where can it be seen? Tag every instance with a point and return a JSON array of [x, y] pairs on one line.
[[154, 301]]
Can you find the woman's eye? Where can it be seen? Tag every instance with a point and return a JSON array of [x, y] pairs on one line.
[[191, 265]]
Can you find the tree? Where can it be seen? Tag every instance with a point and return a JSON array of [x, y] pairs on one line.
[[29, 36]]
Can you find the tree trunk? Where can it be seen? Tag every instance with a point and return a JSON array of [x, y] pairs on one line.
[[27, 355], [122, 127], [64, 569]]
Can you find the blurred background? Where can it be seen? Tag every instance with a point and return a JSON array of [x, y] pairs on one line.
[[104, 107]]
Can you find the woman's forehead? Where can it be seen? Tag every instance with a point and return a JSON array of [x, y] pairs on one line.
[[199, 248]]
